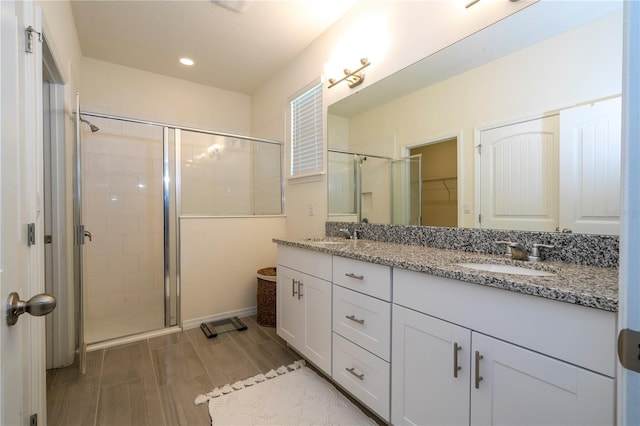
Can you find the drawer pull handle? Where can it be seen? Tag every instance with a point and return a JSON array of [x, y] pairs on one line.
[[300, 284], [478, 377], [357, 277], [456, 348], [354, 319], [353, 371], [293, 287]]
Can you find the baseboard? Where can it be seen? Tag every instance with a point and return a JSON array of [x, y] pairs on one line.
[[195, 322]]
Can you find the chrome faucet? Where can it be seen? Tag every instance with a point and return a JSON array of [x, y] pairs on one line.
[[345, 233], [535, 253], [517, 251]]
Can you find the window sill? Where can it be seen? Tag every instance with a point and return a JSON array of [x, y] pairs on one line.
[[314, 177]]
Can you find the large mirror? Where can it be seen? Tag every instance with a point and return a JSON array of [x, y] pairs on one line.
[[514, 127]]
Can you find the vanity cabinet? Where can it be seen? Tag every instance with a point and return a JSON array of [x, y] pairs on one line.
[[420, 349], [304, 303], [470, 354], [362, 331]]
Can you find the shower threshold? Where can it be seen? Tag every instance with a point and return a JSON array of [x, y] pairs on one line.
[[213, 328]]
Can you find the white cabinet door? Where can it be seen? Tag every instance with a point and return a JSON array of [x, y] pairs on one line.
[[515, 386], [315, 297], [430, 378], [519, 176], [289, 316], [304, 315], [590, 140]]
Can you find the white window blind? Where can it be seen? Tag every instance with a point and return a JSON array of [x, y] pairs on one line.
[[306, 133]]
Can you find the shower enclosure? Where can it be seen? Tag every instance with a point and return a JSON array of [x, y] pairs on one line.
[[372, 188], [134, 180], [128, 228]]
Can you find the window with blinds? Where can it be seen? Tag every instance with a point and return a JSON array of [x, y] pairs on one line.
[[306, 133]]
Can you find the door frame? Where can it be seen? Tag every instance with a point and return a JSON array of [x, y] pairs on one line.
[[458, 136], [60, 324]]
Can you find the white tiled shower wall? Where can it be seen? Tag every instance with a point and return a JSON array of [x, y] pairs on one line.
[[123, 209]]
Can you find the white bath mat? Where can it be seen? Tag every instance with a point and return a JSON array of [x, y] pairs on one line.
[[292, 395]]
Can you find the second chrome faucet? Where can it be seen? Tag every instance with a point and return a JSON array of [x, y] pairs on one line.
[[517, 251]]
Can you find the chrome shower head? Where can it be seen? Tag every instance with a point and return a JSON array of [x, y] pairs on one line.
[[93, 127]]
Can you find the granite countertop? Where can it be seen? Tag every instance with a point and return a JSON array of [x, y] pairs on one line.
[[589, 286]]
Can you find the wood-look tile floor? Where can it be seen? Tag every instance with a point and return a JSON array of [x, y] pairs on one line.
[[155, 381]]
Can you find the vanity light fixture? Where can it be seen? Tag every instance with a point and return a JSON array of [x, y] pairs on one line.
[[186, 61], [353, 78]]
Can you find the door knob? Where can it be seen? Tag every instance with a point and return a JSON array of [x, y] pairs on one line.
[[38, 305]]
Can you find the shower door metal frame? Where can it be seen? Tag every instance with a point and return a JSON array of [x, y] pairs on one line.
[[166, 179], [79, 242]]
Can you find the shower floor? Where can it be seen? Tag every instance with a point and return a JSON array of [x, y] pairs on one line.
[[140, 320]]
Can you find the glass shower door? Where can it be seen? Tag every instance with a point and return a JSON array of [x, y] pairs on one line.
[[124, 207]]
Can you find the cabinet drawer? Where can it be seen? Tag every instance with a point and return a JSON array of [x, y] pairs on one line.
[[362, 319], [368, 278], [307, 261], [364, 375]]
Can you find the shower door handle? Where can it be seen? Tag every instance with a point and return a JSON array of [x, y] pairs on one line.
[[81, 234]]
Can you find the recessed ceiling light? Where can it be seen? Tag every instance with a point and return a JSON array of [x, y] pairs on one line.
[[186, 61]]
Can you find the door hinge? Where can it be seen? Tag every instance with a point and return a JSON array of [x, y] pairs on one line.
[[629, 349], [479, 148], [31, 234], [33, 420], [29, 38], [480, 218]]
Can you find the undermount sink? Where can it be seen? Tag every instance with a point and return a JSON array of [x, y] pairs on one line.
[[506, 269], [326, 242]]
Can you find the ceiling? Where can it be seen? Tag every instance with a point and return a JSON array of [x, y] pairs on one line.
[[236, 51]]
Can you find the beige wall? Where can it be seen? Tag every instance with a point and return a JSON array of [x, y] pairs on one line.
[[114, 89], [220, 258], [408, 41]]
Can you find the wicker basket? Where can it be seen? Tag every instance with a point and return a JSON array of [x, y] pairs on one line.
[[266, 297]]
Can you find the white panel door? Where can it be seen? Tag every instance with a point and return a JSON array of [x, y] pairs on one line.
[[430, 378], [515, 386], [590, 138], [22, 352], [519, 176]]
